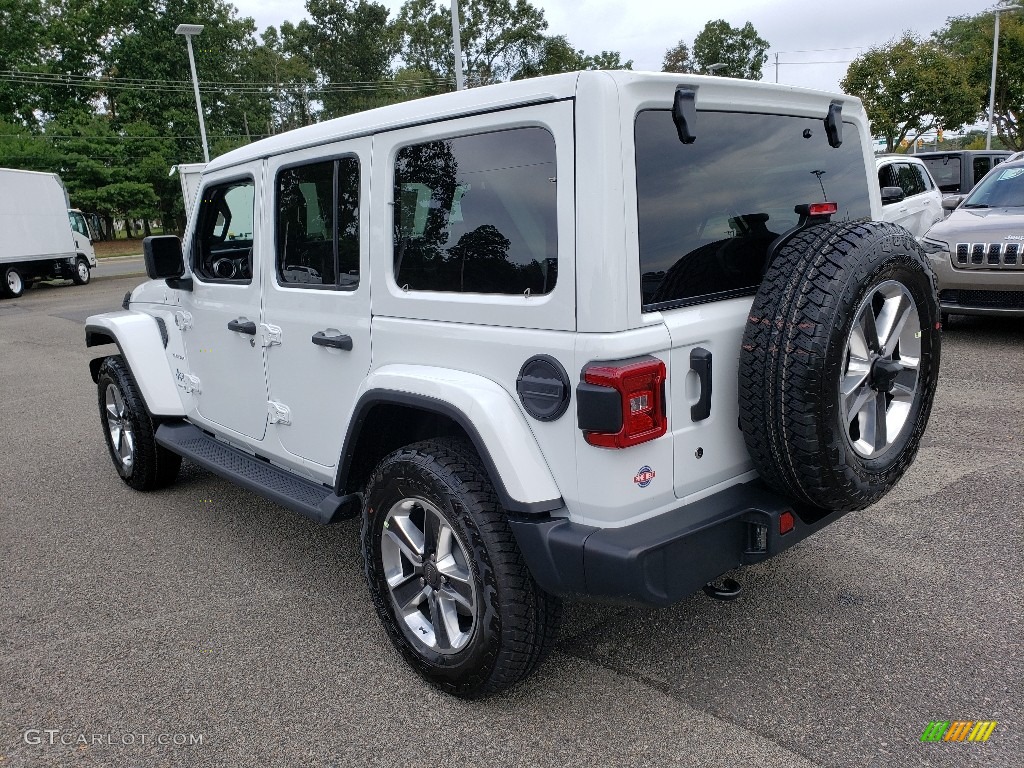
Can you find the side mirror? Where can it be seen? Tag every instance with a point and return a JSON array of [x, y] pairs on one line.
[[164, 260], [951, 202], [892, 195]]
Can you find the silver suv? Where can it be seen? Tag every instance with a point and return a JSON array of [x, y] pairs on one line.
[[602, 334], [977, 252]]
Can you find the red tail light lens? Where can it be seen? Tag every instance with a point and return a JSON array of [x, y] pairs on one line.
[[823, 209], [641, 388]]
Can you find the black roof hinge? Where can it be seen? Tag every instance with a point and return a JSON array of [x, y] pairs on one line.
[[684, 113], [834, 124]]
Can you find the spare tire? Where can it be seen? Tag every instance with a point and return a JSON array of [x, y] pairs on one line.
[[839, 363]]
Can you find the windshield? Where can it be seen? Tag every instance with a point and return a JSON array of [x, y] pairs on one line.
[[1003, 188]]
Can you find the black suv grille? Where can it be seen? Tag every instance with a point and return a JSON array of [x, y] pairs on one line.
[[984, 299], [987, 256]]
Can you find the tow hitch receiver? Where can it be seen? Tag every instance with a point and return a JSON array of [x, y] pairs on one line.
[[725, 590]]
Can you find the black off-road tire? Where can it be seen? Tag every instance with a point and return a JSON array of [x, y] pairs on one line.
[[516, 623], [796, 348], [12, 284], [151, 466], [81, 275]]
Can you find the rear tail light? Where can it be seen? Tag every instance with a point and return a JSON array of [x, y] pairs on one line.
[[823, 209], [640, 385]]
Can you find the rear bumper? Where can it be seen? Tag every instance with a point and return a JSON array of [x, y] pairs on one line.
[[665, 559]]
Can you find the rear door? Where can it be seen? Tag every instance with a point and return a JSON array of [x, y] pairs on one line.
[[708, 213]]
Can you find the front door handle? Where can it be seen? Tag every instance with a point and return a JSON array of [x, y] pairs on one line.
[[243, 326], [700, 362], [341, 341]]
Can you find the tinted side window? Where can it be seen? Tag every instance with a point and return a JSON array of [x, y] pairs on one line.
[[982, 165], [922, 175], [222, 249], [318, 224], [476, 214], [887, 176], [910, 181], [709, 211]]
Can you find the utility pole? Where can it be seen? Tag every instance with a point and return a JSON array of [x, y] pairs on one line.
[[460, 81], [992, 87]]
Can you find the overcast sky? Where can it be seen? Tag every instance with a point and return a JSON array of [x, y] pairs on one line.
[[804, 33]]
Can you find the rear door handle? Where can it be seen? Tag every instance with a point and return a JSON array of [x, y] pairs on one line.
[[243, 326], [700, 361], [341, 341]]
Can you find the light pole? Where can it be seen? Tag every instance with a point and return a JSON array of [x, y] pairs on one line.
[[460, 81], [992, 87], [189, 31]]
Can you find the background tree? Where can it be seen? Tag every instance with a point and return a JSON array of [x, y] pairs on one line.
[[969, 40], [498, 37], [678, 59], [741, 49], [351, 44], [910, 86], [556, 54]]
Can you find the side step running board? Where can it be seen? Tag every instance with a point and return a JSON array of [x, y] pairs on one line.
[[298, 494]]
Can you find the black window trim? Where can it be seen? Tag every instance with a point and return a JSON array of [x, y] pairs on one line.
[[194, 245], [334, 159]]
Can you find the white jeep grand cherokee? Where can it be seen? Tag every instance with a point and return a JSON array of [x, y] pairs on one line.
[[599, 334]]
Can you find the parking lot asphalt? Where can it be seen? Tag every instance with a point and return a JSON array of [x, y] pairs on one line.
[[205, 626]]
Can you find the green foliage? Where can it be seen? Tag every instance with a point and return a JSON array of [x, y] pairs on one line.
[[556, 54], [678, 59], [969, 41], [740, 49], [910, 86], [348, 42], [498, 37]]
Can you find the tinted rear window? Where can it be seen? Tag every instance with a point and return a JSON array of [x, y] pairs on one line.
[[945, 171], [709, 211]]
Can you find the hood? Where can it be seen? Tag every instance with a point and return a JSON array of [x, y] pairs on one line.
[[980, 225]]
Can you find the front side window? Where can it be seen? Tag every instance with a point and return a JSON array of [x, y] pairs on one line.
[[222, 249], [709, 211], [78, 224], [476, 214]]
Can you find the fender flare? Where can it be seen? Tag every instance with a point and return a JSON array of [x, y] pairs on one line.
[[141, 344], [485, 412]]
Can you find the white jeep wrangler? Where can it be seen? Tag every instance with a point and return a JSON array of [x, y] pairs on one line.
[[598, 334]]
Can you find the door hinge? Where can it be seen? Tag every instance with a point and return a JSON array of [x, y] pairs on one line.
[[279, 413], [189, 383], [183, 320], [270, 334]]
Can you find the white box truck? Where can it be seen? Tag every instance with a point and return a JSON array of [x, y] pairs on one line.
[[42, 238]]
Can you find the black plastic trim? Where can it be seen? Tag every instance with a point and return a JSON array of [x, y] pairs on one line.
[[666, 558], [598, 409], [834, 124], [545, 398], [700, 362], [433, 405], [280, 485], [684, 113]]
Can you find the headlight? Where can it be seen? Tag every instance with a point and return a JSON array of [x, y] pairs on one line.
[[934, 246]]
